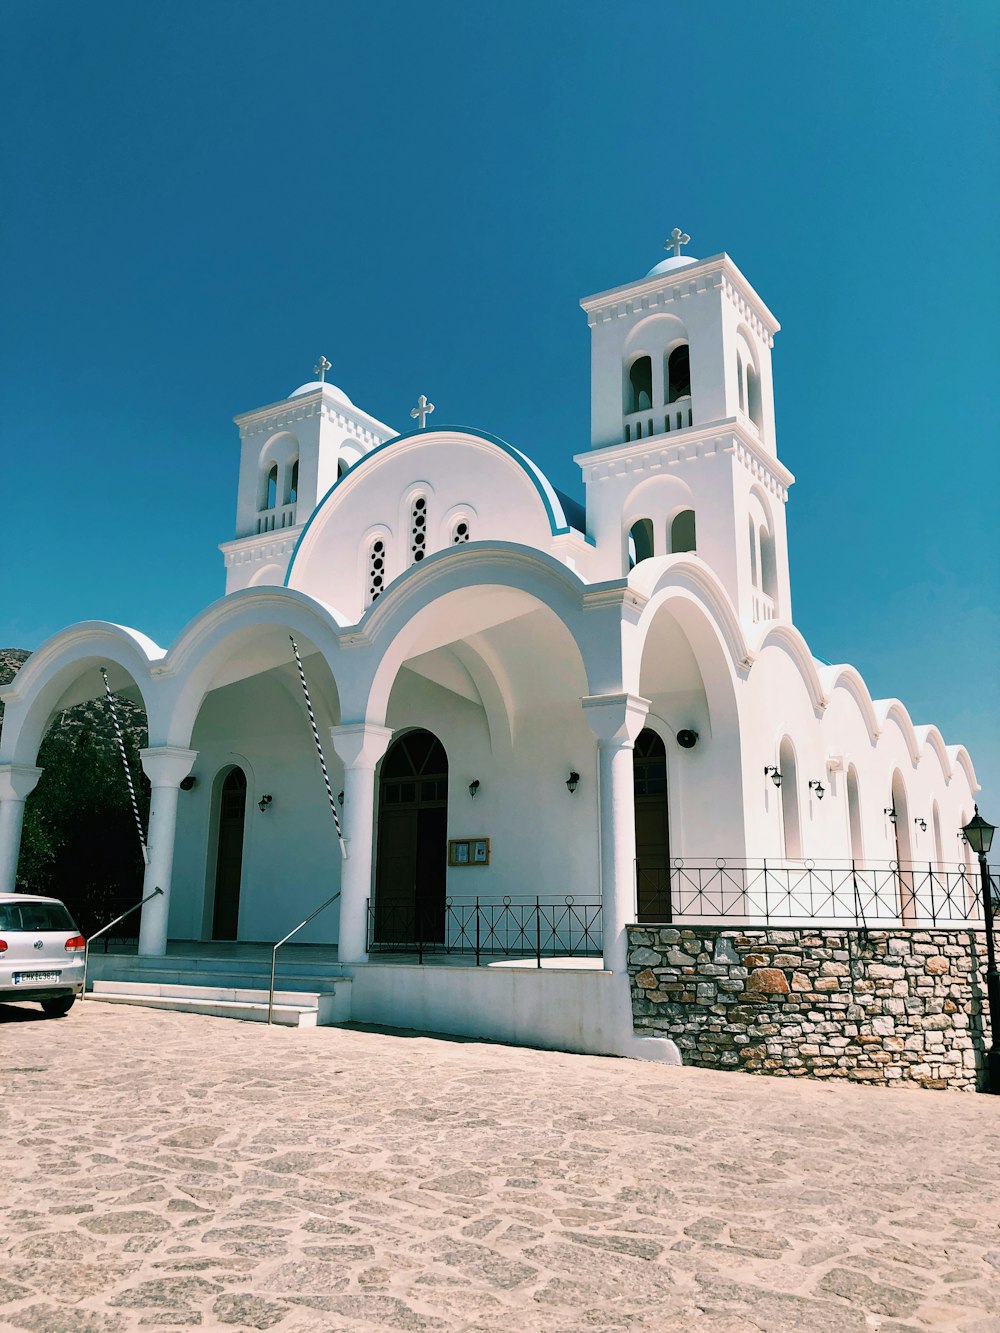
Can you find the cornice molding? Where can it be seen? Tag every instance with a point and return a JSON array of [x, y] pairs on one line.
[[263, 547], [661, 452], [279, 416], [648, 294]]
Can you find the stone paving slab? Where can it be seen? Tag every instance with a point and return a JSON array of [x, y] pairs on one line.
[[162, 1170]]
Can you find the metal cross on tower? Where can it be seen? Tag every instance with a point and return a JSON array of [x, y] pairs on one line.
[[677, 239], [320, 369], [422, 411]]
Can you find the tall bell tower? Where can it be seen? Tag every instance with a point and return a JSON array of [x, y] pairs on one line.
[[683, 455], [291, 453]]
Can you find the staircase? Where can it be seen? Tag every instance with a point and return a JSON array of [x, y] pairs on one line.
[[306, 993]]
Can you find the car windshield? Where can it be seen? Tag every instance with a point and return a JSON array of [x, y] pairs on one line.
[[35, 916]]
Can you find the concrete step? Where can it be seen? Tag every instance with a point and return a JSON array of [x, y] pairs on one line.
[[292, 1008], [248, 979]]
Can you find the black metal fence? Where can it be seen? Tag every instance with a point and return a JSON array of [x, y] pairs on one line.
[[509, 928], [908, 894]]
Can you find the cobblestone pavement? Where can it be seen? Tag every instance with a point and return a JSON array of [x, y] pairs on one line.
[[167, 1170]]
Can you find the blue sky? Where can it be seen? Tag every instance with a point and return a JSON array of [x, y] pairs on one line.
[[201, 198]]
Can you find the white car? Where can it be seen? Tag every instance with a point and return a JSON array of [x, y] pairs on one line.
[[41, 953]]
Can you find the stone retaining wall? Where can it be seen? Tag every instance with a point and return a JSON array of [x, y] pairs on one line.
[[877, 1006]]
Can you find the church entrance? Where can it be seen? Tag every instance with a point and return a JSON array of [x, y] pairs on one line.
[[412, 841], [652, 829], [229, 861]]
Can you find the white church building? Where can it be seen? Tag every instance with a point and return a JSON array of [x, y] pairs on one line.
[[542, 719]]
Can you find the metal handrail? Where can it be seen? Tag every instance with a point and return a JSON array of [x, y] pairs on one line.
[[104, 930], [274, 952]]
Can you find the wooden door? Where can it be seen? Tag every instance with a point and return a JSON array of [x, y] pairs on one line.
[[229, 861], [652, 829], [412, 841]]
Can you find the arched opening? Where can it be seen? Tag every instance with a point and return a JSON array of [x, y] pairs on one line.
[[682, 532], [293, 483], [936, 825], [418, 529], [412, 840], [652, 828], [679, 374], [640, 384], [231, 804], [461, 532], [768, 565], [79, 840], [903, 848], [270, 498], [640, 541], [753, 553], [854, 814], [342, 467], [790, 801], [753, 397], [376, 570], [739, 382]]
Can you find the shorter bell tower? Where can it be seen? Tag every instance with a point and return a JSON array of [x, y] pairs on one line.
[[292, 452], [683, 455]]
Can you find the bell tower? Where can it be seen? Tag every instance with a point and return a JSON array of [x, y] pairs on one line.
[[291, 453], [683, 456]]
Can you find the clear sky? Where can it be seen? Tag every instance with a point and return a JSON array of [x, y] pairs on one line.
[[200, 198]]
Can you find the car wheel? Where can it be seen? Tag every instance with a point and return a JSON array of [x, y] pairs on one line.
[[58, 1008]]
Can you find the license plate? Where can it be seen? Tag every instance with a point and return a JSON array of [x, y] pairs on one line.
[[35, 976]]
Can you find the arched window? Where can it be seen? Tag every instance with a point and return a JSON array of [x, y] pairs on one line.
[[903, 847], [854, 814], [682, 532], [679, 374], [753, 397], [790, 801], [768, 567], [640, 385], [640, 541], [753, 553], [739, 381], [418, 529], [293, 483], [376, 569], [936, 825], [270, 496], [341, 468], [460, 532]]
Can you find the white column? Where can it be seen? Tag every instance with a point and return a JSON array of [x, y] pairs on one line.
[[166, 767], [616, 720], [360, 746], [17, 782]]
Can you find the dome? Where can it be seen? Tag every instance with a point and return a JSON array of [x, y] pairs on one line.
[[671, 264], [330, 390]]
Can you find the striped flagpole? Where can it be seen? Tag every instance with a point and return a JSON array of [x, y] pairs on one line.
[[128, 772], [319, 747]]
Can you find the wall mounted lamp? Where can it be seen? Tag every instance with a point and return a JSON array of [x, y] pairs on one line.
[[474, 788], [772, 771], [890, 811], [921, 824], [188, 783], [572, 782], [687, 739], [264, 802], [818, 788], [340, 798]]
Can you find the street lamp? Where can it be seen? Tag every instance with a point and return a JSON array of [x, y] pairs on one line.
[[979, 836]]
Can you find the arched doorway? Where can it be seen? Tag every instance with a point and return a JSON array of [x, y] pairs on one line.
[[652, 829], [412, 840], [229, 859]]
